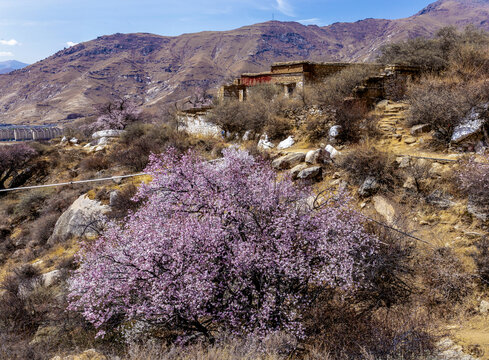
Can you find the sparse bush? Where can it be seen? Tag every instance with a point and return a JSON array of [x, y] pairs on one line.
[[367, 161], [124, 202], [350, 117], [95, 163], [474, 180], [141, 140], [434, 55], [440, 104], [30, 204], [334, 89], [278, 127], [13, 161], [41, 229], [317, 127], [481, 259], [446, 280]]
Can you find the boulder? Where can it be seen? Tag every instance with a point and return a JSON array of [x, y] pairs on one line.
[[103, 141], [410, 183], [50, 278], [319, 156], [333, 153], [297, 169], [410, 140], [288, 161], [403, 162], [114, 195], [334, 131], [384, 208], [470, 125], [310, 173], [247, 135], [285, 144], [419, 129], [83, 218], [484, 307], [74, 140], [369, 187], [107, 133], [64, 140], [264, 144]]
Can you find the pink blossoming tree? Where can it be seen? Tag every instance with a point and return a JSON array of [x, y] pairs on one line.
[[116, 115], [222, 245]]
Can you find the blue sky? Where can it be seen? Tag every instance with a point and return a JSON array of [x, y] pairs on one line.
[[31, 30]]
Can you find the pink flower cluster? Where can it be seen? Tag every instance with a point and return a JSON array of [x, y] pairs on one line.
[[217, 245]]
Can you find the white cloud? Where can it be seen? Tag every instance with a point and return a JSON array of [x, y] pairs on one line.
[[11, 42], [285, 8], [6, 54], [313, 21], [71, 43]]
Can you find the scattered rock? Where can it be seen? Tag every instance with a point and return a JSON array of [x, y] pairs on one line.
[[247, 135], [264, 144], [103, 141], [333, 153], [288, 161], [45, 334], [419, 129], [470, 124], [480, 211], [484, 307], [285, 144], [403, 161], [297, 169], [64, 140], [410, 140], [369, 187], [319, 156], [107, 133], [310, 173], [83, 218], [438, 170], [74, 140], [334, 131], [439, 199], [384, 208], [410, 183], [50, 278], [99, 148], [114, 195]]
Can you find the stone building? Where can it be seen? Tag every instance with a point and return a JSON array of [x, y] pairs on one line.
[[293, 76]]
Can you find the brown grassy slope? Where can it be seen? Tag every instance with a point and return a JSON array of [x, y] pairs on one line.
[[158, 70]]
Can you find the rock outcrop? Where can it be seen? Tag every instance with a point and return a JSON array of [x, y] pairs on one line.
[[83, 218]]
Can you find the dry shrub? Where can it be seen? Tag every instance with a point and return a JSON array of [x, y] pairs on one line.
[[365, 161], [123, 203], [445, 279], [278, 127], [337, 327], [30, 204], [273, 347], [96, 162], [350, 116], [41, 229], [316, 128], [481, 259], [334, 89], [441, 104], [141, 140]]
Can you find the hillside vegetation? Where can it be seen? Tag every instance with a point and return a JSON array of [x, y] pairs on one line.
[[364, 237]]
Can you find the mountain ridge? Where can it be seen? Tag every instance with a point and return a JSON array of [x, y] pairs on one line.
[[156, 70]]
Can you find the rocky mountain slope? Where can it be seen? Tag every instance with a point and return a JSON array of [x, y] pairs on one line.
[[157, 70]]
